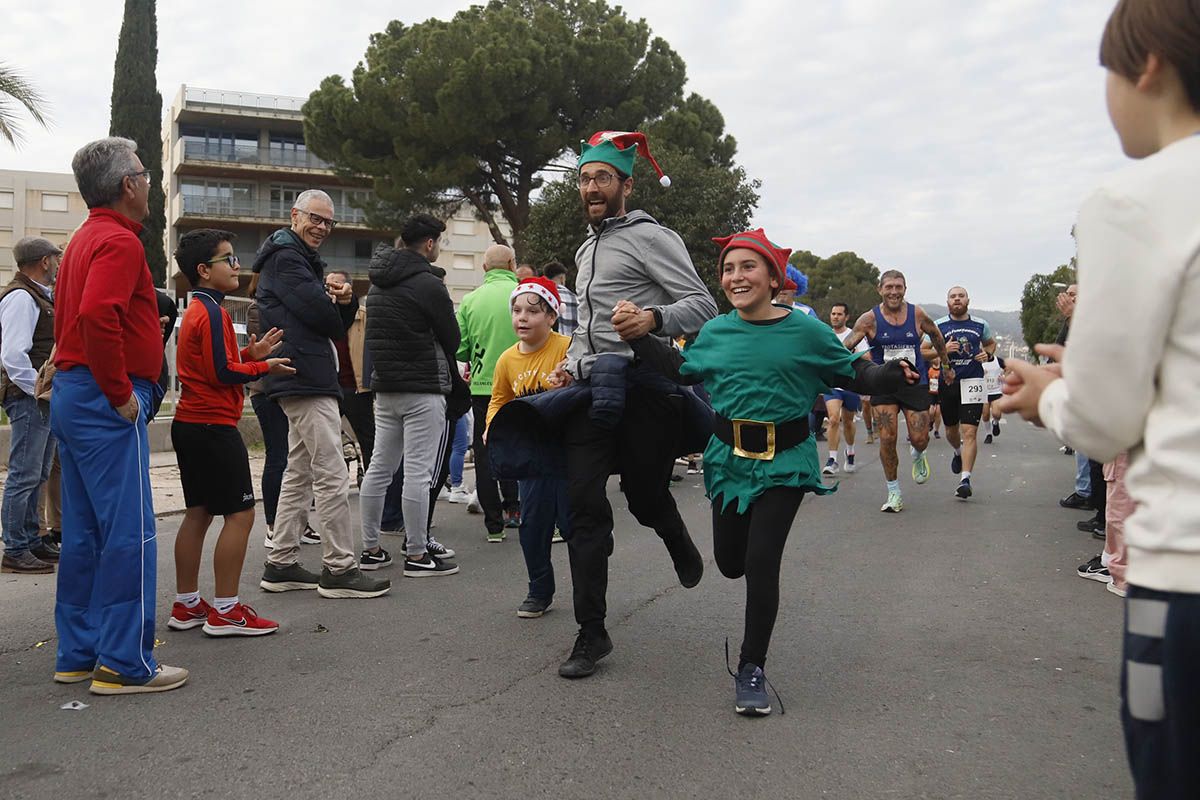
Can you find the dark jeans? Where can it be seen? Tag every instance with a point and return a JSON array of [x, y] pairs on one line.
[[1099, 488], [1160, 696], [274, 424], [642, 450], [359, 408], [543, 505], [30, 456], [393, 512], [751, 544], [485, 485]]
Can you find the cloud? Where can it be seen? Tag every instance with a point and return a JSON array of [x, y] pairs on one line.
[[951, 140]]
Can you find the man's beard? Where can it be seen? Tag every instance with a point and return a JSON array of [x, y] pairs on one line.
[[612, 209]]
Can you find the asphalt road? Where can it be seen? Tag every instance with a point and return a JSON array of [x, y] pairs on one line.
[[946, 652]]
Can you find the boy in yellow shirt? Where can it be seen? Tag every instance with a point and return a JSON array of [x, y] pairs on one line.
[[525, 369]]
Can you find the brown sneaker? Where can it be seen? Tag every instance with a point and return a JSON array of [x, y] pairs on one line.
[[107, 681], [25, 564]]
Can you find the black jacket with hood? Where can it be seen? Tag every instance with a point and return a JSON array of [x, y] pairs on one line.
[[411, 330], [291, 296]]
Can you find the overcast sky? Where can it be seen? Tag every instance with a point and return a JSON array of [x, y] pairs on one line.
[[952, 140]]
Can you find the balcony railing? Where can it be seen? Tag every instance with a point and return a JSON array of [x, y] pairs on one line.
[[252, 155], [217, 98], [200, 206]]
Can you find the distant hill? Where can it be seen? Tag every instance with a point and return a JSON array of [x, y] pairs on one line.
[[1004, 323]]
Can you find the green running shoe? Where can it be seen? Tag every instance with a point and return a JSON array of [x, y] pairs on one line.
[[920, 469], [894, 504]]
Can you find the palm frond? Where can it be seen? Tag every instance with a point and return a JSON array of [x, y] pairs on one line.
[[16, 91]]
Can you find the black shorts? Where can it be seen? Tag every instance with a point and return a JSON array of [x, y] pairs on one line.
[[214, 467], [910, 398], [933, 400], [955, 413]]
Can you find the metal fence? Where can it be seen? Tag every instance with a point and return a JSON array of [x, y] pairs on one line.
[[238, 308]]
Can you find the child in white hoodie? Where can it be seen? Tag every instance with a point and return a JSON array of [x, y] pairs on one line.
[[1139, 258]]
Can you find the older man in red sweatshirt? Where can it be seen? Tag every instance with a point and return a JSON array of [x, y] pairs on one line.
[[109, 356]]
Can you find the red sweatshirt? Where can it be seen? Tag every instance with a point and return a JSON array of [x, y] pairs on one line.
[[210, 367], [105, 309]]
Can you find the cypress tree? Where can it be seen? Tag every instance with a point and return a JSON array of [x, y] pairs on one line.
[[137, 115]]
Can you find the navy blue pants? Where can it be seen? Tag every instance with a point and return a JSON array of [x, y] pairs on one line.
[[274, 425], [104, 610], [1160, 693], [543, 505]]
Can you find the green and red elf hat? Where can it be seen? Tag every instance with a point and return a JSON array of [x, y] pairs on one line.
[[756, 240], [618, 149]]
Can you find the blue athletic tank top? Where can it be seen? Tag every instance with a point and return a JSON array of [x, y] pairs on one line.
[[893, 341], [970, 333]]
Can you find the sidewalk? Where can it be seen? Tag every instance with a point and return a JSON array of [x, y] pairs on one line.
[[168, 493]]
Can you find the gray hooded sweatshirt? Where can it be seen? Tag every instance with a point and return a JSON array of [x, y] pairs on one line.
[[634, 258]]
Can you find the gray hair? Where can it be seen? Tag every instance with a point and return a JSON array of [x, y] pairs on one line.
[[308, 195], [101, 166]]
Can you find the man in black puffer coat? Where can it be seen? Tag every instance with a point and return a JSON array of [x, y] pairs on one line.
[[292, 296], [412, 336]]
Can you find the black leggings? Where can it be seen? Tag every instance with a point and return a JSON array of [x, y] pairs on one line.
[[751, 544]]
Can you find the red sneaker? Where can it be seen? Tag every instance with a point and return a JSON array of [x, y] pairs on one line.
[[238, 621], [184, 618]]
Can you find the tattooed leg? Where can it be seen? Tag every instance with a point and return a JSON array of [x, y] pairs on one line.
[[885, 428], [918, 429]]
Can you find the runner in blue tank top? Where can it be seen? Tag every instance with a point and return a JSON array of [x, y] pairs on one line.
[[970, 343], [894, 329]]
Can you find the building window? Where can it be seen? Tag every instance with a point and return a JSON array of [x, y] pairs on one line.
[[464, 261], [462, 227], [363, 248], [6, 199], [224, 198], [54, 202], [210, 144], [6, 237]]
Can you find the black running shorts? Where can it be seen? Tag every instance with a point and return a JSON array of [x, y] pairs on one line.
[[214, 467]]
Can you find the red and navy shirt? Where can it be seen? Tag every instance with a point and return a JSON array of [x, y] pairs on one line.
[[210, 366]]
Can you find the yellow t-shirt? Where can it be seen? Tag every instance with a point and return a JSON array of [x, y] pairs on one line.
[[520, 374]]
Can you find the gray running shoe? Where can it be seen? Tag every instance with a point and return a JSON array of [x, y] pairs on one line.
[[351, 584], [287, 579]]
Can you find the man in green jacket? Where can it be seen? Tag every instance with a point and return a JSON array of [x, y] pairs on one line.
[[485, 319]]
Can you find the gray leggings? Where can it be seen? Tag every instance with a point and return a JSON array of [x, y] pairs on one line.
[[412, 428]]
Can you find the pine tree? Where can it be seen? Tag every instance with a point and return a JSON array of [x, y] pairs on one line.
[[137, 115]]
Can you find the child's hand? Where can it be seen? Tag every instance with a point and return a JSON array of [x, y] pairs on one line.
[[279, 366], [257, 349], [560, 377]]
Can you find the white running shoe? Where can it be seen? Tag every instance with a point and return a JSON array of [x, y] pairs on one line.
[[267, 539], [443, 493], [459, 494], [894, 504], [473, 506]]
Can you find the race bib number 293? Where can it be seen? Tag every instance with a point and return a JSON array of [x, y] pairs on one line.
[[972, 391]]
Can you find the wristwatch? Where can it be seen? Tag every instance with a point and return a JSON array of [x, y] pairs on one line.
[[658, 322]]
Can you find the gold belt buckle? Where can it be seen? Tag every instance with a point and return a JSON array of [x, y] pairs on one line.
[[765, 455]]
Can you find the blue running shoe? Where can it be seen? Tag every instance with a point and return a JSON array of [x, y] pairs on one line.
[[750, 685], [956, 464]]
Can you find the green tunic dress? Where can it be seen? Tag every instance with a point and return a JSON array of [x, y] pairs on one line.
[[769, 372]]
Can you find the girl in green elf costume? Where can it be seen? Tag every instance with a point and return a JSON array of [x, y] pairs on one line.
[[763, 366]]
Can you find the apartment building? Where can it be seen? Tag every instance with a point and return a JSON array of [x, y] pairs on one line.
[[44, 204], [237, 160]]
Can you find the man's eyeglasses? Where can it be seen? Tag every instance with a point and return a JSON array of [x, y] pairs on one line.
[[602, 179], [318, 220], [230, 258], [143, 174]]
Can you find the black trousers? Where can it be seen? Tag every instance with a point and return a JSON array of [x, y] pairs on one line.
[[1160, 696], [751, 544], [642, 451], [485, 485], [1099, 488], [359, 408]]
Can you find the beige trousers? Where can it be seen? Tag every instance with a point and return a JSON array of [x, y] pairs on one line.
[[315, 467]]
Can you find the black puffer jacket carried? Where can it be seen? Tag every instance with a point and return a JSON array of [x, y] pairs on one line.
[[291, 296], [411, 330]]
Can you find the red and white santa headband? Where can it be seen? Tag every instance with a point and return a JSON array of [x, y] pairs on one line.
[[542, 287]]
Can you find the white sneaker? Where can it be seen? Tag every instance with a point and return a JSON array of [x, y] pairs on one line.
[[459, 494], [443, 493], [473, 506], [267, 539]]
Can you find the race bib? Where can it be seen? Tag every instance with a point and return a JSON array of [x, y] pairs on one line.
[[972, 390], [993, 383], [933, 384], [894, 353]]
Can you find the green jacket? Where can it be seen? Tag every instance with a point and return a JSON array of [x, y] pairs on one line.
[[485, 319]]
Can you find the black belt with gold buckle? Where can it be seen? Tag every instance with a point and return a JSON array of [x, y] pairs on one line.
[[751, 438]]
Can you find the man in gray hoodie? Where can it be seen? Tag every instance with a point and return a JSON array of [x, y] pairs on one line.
[[635, 279]]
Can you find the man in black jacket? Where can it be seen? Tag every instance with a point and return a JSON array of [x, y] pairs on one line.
[[292, 296], [412, 337]]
